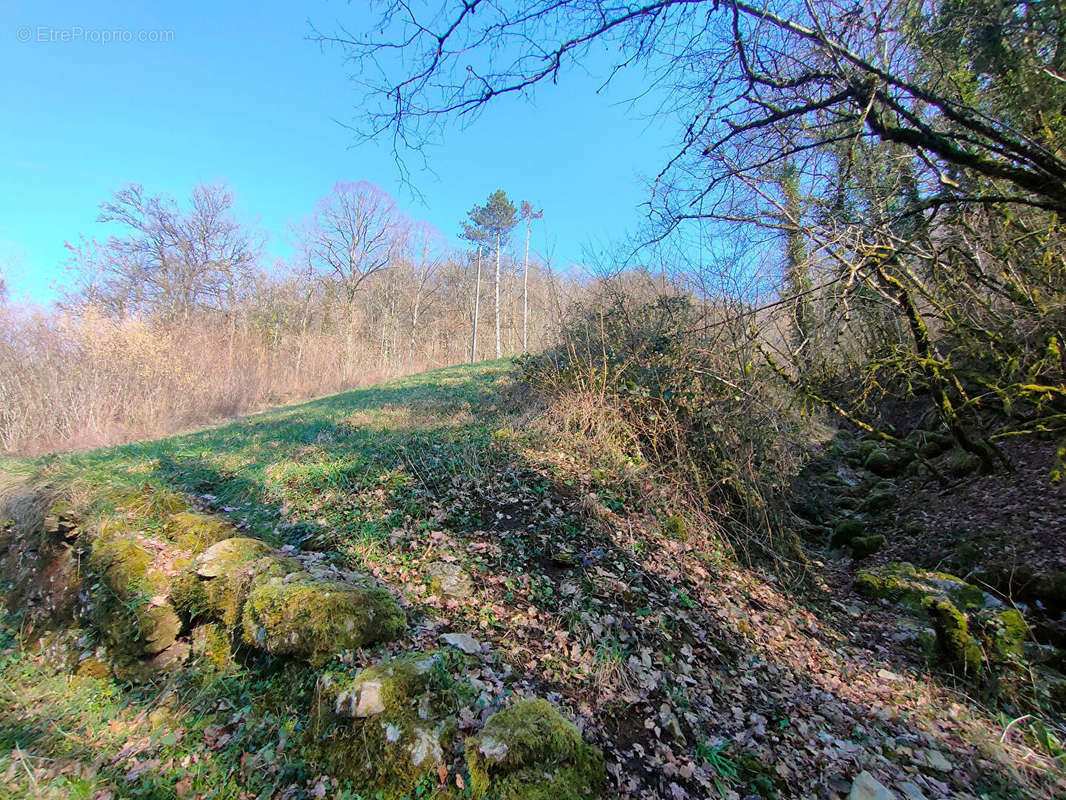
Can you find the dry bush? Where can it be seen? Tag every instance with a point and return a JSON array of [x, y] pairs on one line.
[[661, 385], [72, 381]]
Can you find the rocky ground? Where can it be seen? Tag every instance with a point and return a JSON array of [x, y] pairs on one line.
[[411, 590]]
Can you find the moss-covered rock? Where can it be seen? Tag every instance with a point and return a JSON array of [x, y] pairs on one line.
[[1005, 633], [221, 558], [954, 640], [901, 583], [846, 530], [879, 500], [386, 728], [863, 546], [218, 583], [961, 463], [316, 619], [880, 462], [124, 564], [389, 686], [130, 610], [531, 752], [211, 646]]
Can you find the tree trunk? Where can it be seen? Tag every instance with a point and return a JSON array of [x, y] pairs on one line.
[[525, 294], [477, 308], [499, 352]]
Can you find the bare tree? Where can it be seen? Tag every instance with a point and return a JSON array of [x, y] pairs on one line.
[[527, 215], [168, 261], [352, 236]]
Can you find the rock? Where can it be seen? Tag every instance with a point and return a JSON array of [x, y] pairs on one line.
[[863, 546], [464, 641], [449, 580], [867, 787], [211, 646], [391, 685], [314, 619], [901, 583], [387, 728], [879, 500], [911, 791], [881, 463], [530, 751], [937, 761], [846, 530], [195, 532], [957, 645], [222, 557], [216, 585]]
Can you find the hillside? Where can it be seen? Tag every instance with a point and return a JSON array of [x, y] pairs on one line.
[[488, 560]]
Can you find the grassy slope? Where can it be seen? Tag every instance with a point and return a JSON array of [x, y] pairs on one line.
[[694, 675]]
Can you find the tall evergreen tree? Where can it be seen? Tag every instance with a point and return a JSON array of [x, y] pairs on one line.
[[496, 219]]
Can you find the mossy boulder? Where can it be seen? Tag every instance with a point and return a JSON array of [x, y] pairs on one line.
[[195, 532], [125, 563], [386, 728], [1005, 633], [907, 586], [863, 546], [846, 530], [315, 619], [221, 558], [882, 463], [211, 647], [879, 500], [131, 611], [529, 751], [389, 686], [217, 584], [961, 463], [954, 640]]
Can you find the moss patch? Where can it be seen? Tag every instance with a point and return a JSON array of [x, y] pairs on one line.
[[386, 728], [901, 583], [862, 546], [957, 646], [531, 752]]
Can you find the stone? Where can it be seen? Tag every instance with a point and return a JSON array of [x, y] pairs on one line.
[[911, 791], [464, 641], [882, 464], [863, 546], [449, 580], [529, 751], [937, 761], [315, 620], [223, 556], [846, 530], [867, 787]]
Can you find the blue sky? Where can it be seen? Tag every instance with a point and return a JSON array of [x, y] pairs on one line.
[[240, 95]]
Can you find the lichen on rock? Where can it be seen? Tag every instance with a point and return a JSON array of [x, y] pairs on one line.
[[907, 586], [529, 751], [311, 619], [956, 644], [386, 728]]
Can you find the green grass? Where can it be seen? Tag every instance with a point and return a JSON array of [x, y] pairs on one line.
[[371, 476]]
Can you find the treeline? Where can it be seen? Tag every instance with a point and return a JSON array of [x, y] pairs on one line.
[[176, 320]]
